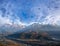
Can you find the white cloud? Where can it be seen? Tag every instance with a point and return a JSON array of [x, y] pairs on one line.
[[53, 18], [4, 20], [38, 11], [53, 12], [10, 17]]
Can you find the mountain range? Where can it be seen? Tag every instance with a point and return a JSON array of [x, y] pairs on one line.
[[9, 29]]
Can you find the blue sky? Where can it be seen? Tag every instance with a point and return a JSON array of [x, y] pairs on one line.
[[28, 11]]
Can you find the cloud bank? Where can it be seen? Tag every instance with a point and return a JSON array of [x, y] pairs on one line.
[[8, 14], [47, 13], [27, 12]]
